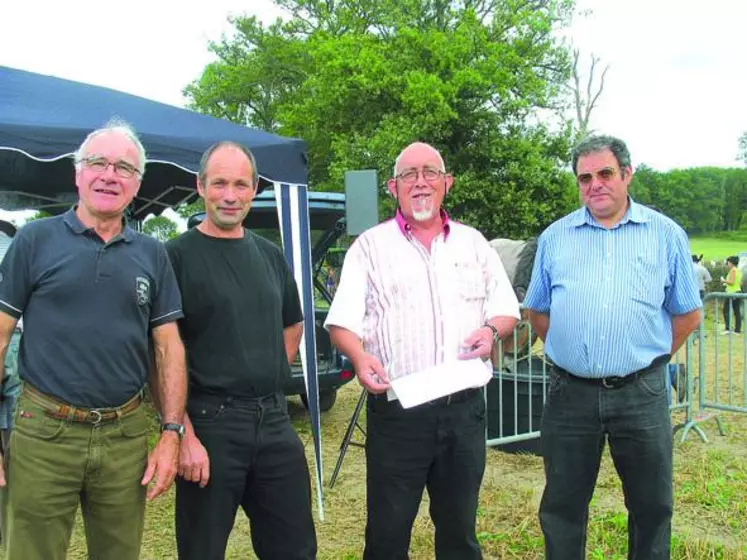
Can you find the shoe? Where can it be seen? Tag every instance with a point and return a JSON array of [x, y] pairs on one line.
[[726, 333]]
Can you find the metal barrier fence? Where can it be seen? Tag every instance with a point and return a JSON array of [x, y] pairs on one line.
[[516, 395], [722, 385]]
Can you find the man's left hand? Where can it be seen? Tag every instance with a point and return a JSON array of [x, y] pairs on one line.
[[478, 344], [163, 464]]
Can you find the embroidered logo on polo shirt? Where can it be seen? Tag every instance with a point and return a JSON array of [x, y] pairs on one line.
[[142, 289]]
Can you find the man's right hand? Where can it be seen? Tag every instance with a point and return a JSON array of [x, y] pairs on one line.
[[371, 374], [2, 471], [194, 463]]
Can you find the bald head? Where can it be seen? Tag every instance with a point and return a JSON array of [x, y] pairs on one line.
[[415, 149]]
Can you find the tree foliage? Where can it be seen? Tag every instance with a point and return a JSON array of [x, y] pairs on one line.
[[358, 80], [160, 227], [701, 199], [38, 215], [743, 148]]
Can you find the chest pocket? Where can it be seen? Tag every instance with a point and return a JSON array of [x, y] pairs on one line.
[[649, 278], [470, 281]]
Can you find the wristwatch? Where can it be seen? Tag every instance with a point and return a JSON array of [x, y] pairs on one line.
[[171, 427], [496, 336]]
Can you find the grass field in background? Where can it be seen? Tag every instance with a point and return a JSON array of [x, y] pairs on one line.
[[716, 249]]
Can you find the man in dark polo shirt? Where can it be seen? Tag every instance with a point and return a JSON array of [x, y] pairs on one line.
[[242, 326], [92, 293]]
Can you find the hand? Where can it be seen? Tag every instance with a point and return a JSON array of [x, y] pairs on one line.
[[371, 374], [194, 463], [163, 463], [2, 472], [478, 344]]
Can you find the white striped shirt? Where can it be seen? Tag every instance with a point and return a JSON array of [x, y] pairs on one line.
[[413, 309], [611, 294]]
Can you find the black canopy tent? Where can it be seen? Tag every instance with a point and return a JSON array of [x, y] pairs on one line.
[[44, 119]]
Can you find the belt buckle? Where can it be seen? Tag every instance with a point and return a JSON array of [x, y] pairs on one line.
[[96, 417], [606, 383]]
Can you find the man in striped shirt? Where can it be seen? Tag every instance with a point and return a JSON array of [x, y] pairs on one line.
[[418, 291], [613, 295]]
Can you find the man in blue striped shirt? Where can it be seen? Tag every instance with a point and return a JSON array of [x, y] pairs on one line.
[[613, 295]]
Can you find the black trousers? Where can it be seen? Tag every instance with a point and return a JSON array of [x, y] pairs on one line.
[[256, 462], [577, 420], [736, 307], [437, 446]]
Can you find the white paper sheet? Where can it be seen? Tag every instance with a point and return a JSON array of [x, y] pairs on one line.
[[438, 381]]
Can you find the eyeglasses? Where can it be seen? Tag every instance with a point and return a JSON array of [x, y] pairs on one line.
[[100, 165], [604, 175], [411, 175]]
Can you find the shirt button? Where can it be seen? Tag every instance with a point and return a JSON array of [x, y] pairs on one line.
[[601, 338]]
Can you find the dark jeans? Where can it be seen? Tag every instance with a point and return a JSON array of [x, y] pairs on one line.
[[440, 447], [256, 462], [634, 419], [736, 307]]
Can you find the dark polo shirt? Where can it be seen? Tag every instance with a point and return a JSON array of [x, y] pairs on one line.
[[87, 307]]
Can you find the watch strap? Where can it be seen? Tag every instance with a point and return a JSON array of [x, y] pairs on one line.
[[493, 330], [173, 427]]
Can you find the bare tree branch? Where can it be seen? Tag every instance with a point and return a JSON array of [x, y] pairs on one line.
[[577, 90], [594, 99], [586, 101]]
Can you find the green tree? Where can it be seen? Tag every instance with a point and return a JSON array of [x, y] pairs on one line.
[[360, 79], [735, 199], [743, 147], [700, 199], [187, 210], [38, 216], [160, 227]]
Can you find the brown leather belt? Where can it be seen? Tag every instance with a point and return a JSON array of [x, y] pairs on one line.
[[60, 410]]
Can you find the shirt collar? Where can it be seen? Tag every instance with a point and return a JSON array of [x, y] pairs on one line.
[[74, 223], [406, 228], [637, 213]]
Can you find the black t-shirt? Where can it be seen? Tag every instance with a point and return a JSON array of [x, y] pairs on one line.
[[237, 295]]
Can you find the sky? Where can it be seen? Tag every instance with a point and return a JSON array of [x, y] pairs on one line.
[[676, 89]]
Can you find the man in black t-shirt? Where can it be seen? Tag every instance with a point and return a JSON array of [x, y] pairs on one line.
[[242, 327]]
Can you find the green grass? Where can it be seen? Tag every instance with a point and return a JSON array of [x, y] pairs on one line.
[[716, 249]]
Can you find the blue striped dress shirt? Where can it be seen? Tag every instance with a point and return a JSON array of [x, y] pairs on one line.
[[611, 293]]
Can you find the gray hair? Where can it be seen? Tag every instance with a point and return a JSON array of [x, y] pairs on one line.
[[442, 167], [593, 144], [121, 127], [202, 173]]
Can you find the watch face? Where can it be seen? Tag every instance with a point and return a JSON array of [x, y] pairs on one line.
[[178, 428]]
